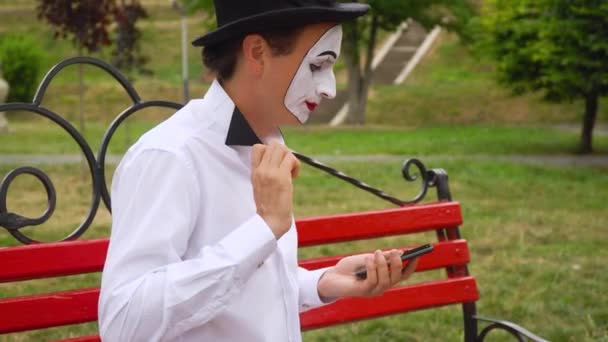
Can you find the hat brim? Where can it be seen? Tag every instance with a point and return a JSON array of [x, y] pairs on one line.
[[283, 18]]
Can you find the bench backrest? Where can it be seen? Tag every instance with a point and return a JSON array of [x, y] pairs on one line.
[[78, 257]]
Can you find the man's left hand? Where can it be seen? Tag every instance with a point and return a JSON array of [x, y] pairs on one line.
[[340, 280]]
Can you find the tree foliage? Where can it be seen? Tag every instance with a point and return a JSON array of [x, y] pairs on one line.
[[453, 14], [86, 22], [557, 47], [205, 6], [89, 23], [126, 54]]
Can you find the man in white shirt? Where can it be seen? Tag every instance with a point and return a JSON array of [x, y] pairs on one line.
[[203, 244]]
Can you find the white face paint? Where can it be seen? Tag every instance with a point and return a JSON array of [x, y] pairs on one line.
[[315, 78]]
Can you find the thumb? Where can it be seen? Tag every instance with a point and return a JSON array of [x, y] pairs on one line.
[[409, 269]]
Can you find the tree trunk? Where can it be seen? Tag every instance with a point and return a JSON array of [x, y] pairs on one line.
[[591, 106], [368, 74], [83, 164], [353, 65], [360, 82], [3, 96]]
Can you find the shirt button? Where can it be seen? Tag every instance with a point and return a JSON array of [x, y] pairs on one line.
[[260, 264]]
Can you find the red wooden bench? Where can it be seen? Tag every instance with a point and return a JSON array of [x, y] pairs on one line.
[[451, 253], [455, 287]]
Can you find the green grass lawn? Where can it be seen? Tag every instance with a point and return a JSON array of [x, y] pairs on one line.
[[536, 235]]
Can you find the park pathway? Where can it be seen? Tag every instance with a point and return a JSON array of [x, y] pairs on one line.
[[559, 160]]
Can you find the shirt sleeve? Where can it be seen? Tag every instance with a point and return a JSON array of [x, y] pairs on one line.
[[148, 292], [309, 293]]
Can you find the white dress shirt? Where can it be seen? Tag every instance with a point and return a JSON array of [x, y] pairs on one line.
[[189, 259]]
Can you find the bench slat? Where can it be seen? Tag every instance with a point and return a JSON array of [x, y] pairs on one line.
[[45, 311], [77, 257], [375, 224], [397, 300], [52, 259], [449, 253]]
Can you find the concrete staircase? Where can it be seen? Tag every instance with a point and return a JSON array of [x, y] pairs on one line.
[[389, 68], [400, 54]]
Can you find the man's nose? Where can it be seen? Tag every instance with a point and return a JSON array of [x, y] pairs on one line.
[[327, 86]]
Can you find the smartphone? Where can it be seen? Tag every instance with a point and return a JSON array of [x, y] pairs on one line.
[[410, 254]]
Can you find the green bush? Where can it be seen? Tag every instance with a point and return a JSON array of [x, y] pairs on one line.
[[20, 60]]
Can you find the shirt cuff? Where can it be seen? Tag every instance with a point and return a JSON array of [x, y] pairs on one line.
[[249, 246], [309, 293]]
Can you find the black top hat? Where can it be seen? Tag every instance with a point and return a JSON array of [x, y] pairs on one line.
[[238, 17]]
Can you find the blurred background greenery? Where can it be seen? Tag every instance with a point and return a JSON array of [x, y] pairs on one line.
[[535, 209]]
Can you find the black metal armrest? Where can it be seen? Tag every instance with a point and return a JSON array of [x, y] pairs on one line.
[[519, 332]]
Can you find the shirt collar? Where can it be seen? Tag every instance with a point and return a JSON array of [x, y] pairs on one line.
[[230, 121], [240, 132]]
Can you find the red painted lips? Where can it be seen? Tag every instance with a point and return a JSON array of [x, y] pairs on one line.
[[311, 105]]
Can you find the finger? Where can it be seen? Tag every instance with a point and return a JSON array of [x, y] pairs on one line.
[[409, 269], [383, 276], [295, 171], [256, 155], [267, 155], [396, 267], [290, 164], [388, 254], [278, 154], [372, 275]]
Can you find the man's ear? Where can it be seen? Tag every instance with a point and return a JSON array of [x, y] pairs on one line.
[[254, 47]]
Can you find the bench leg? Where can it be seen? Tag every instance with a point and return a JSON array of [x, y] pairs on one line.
[[470, 323]]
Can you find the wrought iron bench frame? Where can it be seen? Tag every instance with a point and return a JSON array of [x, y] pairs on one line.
[[75, 256]]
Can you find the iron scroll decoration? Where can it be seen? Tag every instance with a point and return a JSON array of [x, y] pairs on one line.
[[13, 222]]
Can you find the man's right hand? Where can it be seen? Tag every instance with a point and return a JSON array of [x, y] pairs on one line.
[[272, 169]]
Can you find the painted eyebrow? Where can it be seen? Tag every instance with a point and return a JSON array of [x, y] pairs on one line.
[[328, 53]]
